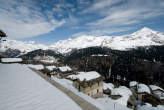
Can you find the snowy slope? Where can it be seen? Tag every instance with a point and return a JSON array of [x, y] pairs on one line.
[[143, 37], [22, 46], [22, 89]]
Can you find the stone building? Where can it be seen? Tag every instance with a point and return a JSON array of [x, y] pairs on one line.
[[90, 83], [158, 92], [62, 72], [142, 91]]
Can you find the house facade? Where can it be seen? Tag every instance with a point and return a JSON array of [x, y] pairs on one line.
[[92, 86]]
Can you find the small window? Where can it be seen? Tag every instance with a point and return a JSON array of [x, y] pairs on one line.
[[97, 90]]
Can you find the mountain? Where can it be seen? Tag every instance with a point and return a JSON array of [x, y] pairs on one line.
[[24, 47], [143, 37]]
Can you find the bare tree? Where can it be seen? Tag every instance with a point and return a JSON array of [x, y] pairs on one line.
[[2, 34]]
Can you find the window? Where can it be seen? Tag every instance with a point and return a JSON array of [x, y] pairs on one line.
[[97, 90]]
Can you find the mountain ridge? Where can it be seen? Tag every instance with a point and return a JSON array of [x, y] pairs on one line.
[[142, 37]]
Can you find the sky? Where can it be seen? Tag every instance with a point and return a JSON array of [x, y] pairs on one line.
[[47, 21]]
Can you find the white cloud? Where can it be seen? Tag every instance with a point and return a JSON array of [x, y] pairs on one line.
[[116, 18], [25, 20], [100, 4]]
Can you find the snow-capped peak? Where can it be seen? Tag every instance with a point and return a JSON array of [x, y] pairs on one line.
[[22, 46], [144, 30], [143, 37]]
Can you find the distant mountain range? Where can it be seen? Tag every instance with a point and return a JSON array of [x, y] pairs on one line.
[[143, 37]]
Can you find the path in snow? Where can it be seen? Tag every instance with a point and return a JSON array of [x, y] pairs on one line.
[[85, 105]]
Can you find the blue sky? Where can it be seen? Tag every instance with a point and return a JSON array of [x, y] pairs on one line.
[[47, 21]]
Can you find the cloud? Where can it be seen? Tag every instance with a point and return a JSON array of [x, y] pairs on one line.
[[118, 16], [25, 19], [101, 4]]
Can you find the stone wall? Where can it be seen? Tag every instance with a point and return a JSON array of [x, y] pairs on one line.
[[94, 89]]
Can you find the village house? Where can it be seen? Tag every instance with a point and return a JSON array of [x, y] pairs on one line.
[[124, 95], [107, 88], [142, 92], [90, 83], [36, 67], [62, 72], [157, 91], [49, 70], [133, 88]]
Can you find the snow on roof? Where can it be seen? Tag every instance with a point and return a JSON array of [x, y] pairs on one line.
[[51, 68], [153, 87], [22, 89], [124, 92], [47, 61], [85, 75], [10, 60], [38, 67], [143, 88], [148, 107], [133, 83], [65, 68], [108, 86]]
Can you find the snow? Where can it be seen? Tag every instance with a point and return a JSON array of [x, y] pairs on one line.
[[147, 107], [110, 104], [22, 89], [65, 68], [124, 92], [22, 46], [10, 60], [159, 94], [143, 88], [38, 67], [51, 68], [153, 87], [102, 104], [108, 86], [85, 75], [47, 61], [143, 37], [133, 83]]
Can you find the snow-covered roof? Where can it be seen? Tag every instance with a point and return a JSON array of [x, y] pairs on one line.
[[47, 61], [85, 75], [65, 68], [133, 83], [143, 88], [149, 107], [124, 92], [10, 60], [22, 89], [38, 67], [51, 68], [108, 86], [154, 87]]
